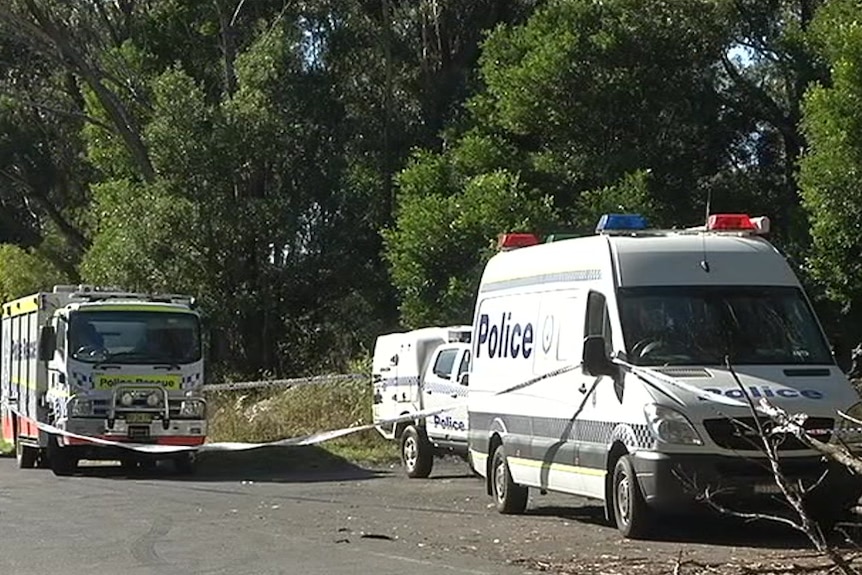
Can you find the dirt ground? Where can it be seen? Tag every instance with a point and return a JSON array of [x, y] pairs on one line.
[[568, 535], [287, 510]]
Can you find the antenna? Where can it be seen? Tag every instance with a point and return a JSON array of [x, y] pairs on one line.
[[708, 202], [704, 263]]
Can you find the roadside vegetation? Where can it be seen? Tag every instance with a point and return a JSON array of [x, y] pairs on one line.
[[273, 414], [270, 414]]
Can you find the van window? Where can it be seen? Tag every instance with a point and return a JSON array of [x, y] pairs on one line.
[[598, 319], [700, 325], [445, 362]]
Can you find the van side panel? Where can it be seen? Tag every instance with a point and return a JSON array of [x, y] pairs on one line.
[[528, 331]]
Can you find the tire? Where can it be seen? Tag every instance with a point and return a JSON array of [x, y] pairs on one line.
[[63, 460], [417, 454], [630, 511], [26, 455], [509, 497], [185, 463]]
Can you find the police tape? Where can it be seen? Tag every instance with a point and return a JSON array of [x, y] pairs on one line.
[[310, 439], [651, 377], [287, 383]]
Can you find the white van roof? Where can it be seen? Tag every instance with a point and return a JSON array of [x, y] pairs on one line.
[[654, 258]]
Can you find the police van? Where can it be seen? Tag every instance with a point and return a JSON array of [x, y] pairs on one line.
[[616, 367], [422, 372]]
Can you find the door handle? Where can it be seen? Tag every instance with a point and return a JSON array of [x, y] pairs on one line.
[[453, 395], [583, 388], [428, 391]]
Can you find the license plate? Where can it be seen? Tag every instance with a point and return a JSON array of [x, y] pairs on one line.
[[139, 417]]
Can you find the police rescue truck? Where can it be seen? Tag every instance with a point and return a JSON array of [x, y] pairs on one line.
[[122, 367], [422, 370], [599, 369]]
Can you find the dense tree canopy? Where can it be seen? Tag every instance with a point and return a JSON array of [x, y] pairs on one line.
[[319, 171]]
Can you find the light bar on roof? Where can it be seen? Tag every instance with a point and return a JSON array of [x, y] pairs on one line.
[[513, 241], [621, 222], [730, 222]]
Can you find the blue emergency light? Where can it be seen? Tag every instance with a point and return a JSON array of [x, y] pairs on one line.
[[621, 222]]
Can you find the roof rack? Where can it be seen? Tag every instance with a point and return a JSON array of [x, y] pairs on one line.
[[102, 293]]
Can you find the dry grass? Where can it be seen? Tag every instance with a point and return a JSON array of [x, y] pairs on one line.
[[269, 415]]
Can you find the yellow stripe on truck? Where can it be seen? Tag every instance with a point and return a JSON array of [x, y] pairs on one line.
[[21, 306]]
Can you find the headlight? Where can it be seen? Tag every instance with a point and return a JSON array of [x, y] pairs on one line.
[[81, 407], [670, 426], [192, 408], [850, 431], [127, 399], [154, 399]]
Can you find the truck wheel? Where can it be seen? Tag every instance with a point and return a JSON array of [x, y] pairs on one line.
[[509, 497], [63, 460], [185, 463], [26, 455], [416, 453], [631, 513]]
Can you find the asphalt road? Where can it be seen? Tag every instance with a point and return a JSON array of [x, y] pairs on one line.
[[294, 511]]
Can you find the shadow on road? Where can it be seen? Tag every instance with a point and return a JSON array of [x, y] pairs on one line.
[[272, 464], [701, 529]]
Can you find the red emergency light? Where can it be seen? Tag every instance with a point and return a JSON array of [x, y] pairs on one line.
[[730, 222], [512, 241]]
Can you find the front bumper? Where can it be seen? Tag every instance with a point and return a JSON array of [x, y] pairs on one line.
[[178, 432], [674, 483]]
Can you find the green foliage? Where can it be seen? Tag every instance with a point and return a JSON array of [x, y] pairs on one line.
[[251, 154], [630, 195], [448, 220], [23, 272], [595, 91], [831, 169], [143, 240]]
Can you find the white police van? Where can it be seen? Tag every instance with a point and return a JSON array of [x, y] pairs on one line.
[[578, 345], [422, 371]]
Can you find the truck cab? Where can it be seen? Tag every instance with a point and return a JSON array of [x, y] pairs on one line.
[[107, 365], [423, 371]]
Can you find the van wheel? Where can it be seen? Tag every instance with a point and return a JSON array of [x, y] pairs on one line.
[[26, 455], [417, 455], [63, 460], [631, 512], [509, 497]]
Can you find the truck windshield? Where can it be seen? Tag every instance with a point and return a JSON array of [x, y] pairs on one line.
[[700, 325], [134, 337]]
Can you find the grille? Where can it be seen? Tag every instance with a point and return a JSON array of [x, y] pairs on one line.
[[740, 434], [100, 407]]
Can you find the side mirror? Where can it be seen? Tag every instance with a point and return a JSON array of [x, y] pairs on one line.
[[464, 379], [596, 360], [47, 343]]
